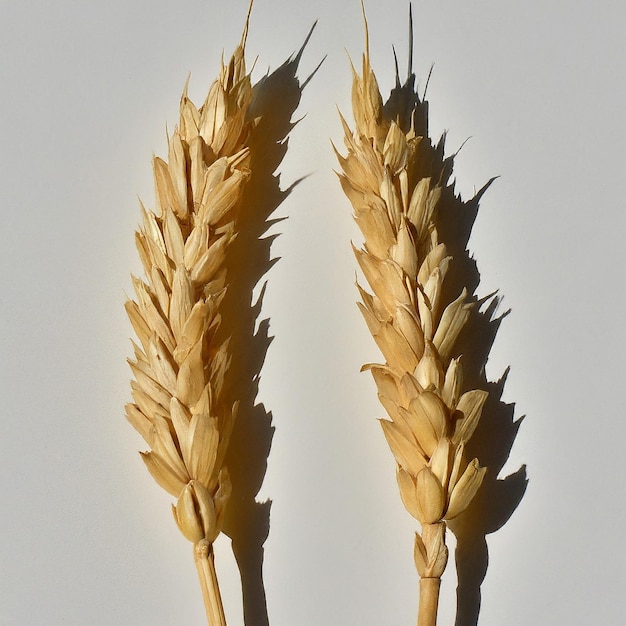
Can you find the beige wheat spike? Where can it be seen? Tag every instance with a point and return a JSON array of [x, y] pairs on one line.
[[182, 358], [396, 181]]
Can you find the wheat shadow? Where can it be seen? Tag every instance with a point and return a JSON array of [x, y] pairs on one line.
[[247, 522], [493, 439], [491, 443]]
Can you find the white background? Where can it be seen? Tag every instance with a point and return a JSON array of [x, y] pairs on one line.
[[86, 88]]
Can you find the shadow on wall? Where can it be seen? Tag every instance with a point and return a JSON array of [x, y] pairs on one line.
[[491, 443], [247, 522], [492, 440]]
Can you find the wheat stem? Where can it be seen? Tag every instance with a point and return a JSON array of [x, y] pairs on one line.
[[205, 564], [429, 599]]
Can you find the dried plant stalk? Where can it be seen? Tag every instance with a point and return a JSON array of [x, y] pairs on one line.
[[181, 362], [397, 183]]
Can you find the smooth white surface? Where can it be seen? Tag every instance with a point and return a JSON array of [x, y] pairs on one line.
[[86, 89]]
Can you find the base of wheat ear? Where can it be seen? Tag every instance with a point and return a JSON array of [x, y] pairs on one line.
[[182, 358], [397, 182]]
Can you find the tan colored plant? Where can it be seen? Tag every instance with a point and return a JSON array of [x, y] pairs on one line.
[[182, 360], [397, 182]]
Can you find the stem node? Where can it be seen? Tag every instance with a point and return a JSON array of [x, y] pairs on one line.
[[205, 564]]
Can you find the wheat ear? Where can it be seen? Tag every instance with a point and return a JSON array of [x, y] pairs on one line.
[[182, 360], [396, 181]]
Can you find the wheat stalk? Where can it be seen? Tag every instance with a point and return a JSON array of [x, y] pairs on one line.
[[181, 362], [397, 183]]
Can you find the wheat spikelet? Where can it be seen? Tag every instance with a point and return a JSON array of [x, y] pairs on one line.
[[397, 183], [181, 363]]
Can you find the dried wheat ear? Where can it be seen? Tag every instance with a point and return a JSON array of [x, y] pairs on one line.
[[182, 359], [396, 181]]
